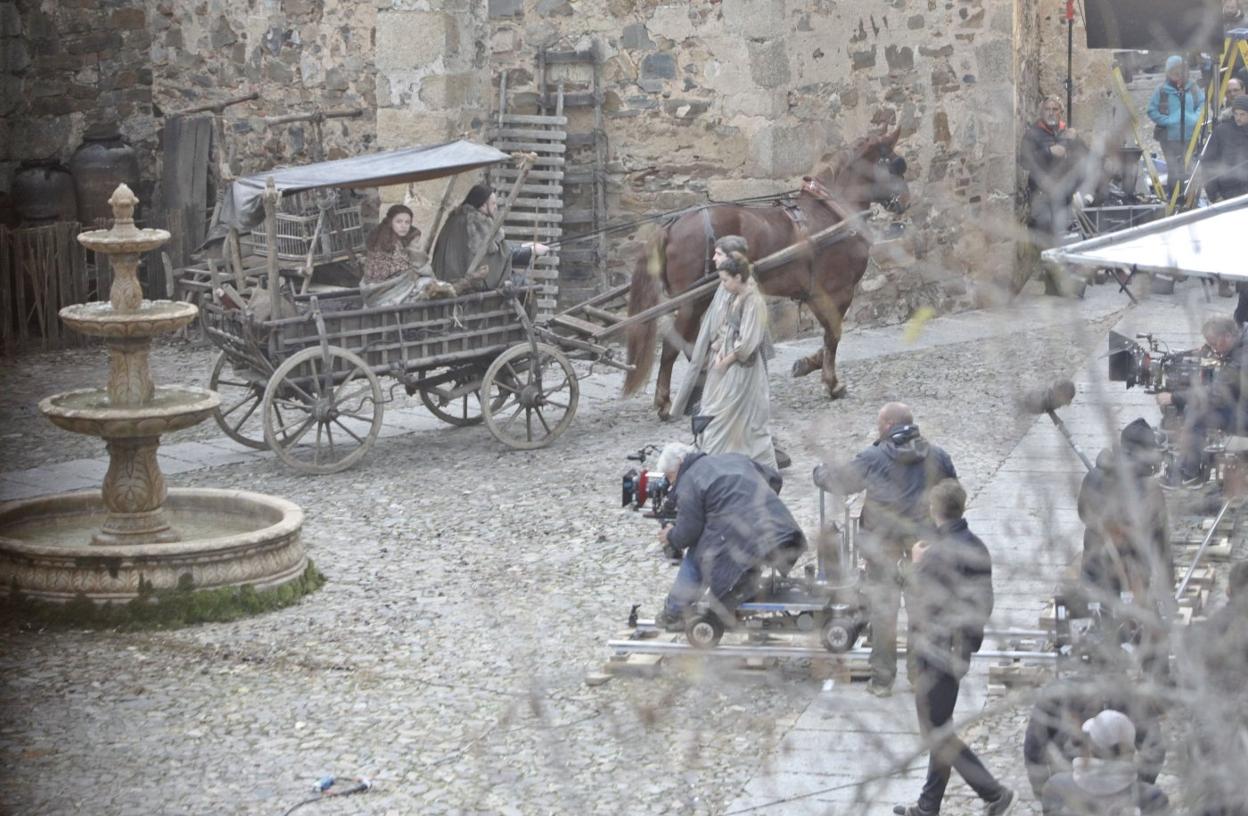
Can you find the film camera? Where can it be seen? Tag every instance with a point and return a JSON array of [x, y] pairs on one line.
[[648, 488], [1156, 367]]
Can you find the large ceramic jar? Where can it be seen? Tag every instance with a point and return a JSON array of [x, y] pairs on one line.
[[103, 161], [43, 192]]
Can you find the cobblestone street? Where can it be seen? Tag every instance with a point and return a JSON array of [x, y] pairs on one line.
[[471, 588]]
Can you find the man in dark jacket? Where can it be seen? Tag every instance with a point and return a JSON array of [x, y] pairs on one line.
[[1127, 558], [1051, 154], [1225, 163], [1054, 738], [1223, 405], [1126, 540], [950, 603], [469, 230], [896, 472], [729, 522]]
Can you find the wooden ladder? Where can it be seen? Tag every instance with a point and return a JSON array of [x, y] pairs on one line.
[[537, 214], [583, 263]]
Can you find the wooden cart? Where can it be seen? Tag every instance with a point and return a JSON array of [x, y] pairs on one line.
[[301, 374], [309, 386]]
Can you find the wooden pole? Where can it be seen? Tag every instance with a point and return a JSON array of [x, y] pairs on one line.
[[706, 287], [6, 289], [341, 113], [217, 107], [271, 197], [437, 217], [234, 257]]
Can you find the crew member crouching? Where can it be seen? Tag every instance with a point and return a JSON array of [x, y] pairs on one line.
[[1223, 405], [730, 522]]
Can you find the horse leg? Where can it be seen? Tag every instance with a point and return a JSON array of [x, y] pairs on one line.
[[830, 317], [811, 362], [663, 388], [808, 364]]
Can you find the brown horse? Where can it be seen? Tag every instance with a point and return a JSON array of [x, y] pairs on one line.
[[678, 256]]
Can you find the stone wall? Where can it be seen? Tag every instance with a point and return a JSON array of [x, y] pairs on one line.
[[1096, 106], [298, 54], [741, 97], [433, 76], [707, 100], [67, 66]]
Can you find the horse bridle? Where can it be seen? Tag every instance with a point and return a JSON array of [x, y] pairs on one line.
[[816, 189], [819, 191]]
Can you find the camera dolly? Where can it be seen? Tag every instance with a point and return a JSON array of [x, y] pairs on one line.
[[825, 599], [783, 604]]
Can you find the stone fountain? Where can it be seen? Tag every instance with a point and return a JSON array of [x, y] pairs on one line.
[[136, 538]]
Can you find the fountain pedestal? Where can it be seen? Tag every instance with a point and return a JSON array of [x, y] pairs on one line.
[[135, 542]]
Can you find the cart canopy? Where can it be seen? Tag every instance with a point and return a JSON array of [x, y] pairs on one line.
[[1201, 243], [243, 208]]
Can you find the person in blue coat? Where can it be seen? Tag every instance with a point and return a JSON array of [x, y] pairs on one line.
[[896, 472], [730, 522], [1175, 109]]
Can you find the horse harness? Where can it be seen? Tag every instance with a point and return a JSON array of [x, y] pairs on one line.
[[793, 210], [816, 190]]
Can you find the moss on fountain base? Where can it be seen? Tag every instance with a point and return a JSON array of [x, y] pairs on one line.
[[163, 609]]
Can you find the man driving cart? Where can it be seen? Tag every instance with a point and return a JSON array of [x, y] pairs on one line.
[[730, 523]]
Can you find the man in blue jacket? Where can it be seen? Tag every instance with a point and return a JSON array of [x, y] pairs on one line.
[[729, 523], [1175, 110], [896, 472]]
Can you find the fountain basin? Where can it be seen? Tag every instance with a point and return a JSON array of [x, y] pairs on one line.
[[88, 411], [152, 318], [230, 538], [120, 240]]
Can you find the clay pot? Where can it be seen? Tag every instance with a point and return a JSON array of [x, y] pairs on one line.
[[103, 161], [43, 192]]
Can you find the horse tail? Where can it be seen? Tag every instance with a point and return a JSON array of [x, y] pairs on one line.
[[648, 276]]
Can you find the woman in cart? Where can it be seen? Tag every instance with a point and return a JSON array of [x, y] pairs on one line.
[[395, 269], [467, 230], [736, 392]]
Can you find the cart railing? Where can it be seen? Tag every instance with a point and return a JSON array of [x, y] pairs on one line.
[[394, 340]]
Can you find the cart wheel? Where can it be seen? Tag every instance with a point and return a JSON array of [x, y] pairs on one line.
[[462, 410], [539, 394], [236, 414], [704, 630], [839, 634], [322, 415]]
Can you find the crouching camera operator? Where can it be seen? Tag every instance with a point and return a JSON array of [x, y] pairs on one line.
[[1126, 539], [729, 522], [1127, 558], [1221, 405]]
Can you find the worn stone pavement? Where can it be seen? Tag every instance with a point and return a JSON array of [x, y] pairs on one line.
[[1026, 513], [831, 747]]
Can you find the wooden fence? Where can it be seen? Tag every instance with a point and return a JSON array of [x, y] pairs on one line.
[[41, 270]]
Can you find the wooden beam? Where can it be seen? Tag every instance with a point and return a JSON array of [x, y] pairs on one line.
[[529, 119], [271, 199]]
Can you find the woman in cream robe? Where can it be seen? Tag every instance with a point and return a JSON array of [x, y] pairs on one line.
[[736, 392]]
